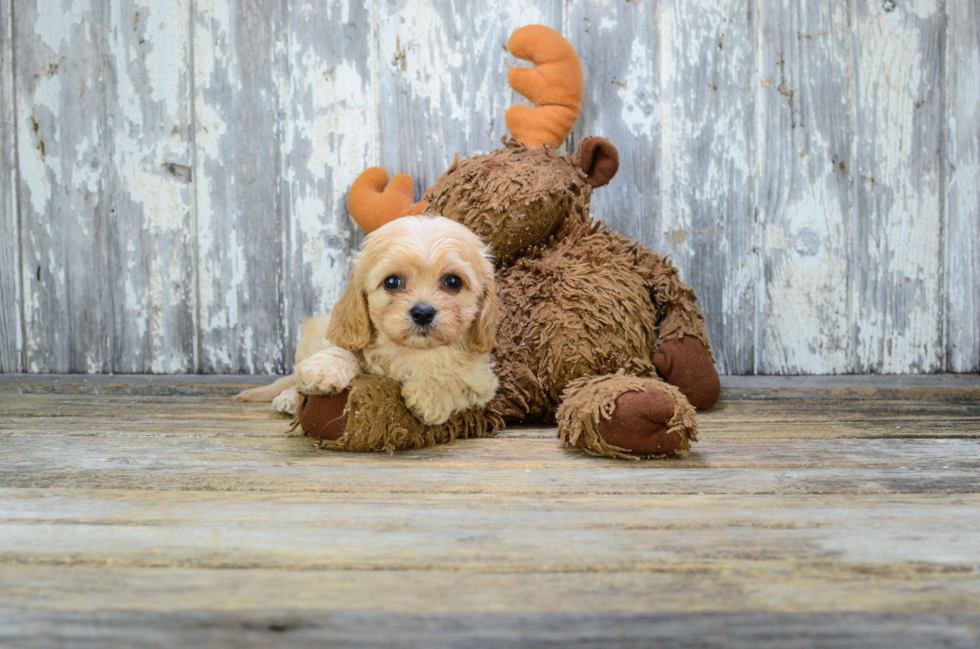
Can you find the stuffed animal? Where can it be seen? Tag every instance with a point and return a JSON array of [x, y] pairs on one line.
[[596, 333]]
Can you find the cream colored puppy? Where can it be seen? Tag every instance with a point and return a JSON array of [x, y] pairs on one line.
[[420, 308]]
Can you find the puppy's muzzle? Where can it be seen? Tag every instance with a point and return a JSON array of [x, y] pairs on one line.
[[422, 314]]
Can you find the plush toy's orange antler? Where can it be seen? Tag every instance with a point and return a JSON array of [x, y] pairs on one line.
[[554, 85], [373, 201]]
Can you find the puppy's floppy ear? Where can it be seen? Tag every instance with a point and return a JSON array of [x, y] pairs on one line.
[[485, 326], [350, 323]]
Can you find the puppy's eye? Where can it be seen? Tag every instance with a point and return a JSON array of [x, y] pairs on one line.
[[393, 282], [452, 282]]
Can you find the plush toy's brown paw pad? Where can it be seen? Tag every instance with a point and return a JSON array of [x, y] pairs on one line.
[[626, 417], [324, 417], [639, 423], [687, 364]]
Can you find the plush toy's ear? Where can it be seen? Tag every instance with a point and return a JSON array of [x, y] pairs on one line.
[[485, 327], [373, 201], [554, 85], [599, 160], [350, 322]]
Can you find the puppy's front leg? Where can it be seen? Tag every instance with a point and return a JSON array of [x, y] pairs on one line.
[[327, 372], [287, 403]]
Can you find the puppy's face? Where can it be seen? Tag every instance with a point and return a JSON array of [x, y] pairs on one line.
[[425, 282]]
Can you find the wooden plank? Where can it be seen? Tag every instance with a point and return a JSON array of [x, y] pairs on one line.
[[897, 167], [951, 387], [331, 135], [149, 176], [962, 133], [62, 194], [707, 62], [804, 129], [744, 589], [931, 387], [476, 533], [443, 80], [226, 385], [11, 335], [585, 628], [237, 170], [534, 466], [721, 430], [619, 45], [763, 421]]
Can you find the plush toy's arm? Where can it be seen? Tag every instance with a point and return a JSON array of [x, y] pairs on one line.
[[373, 201], [677, 305], [682, 354]]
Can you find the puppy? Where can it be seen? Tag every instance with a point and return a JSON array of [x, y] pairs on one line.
[[420, 307]]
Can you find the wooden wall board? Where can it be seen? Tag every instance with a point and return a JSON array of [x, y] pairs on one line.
[[63, 186], [11, 335], [962, 199], [805, 130], [898, 51], [707, 61], [240, 220], [150, 225]]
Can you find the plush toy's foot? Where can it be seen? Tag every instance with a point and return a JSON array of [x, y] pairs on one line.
[[626, 417], [687, 364], [324, 417], [371, 416]]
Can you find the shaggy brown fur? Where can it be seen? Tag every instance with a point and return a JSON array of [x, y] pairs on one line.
[[590, 400], [583, 309]]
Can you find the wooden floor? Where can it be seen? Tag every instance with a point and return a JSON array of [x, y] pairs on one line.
[[815, 512]]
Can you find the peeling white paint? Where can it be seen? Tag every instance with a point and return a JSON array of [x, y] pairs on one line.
[[688, 90], [898, 312], [636, 91], [56, 22]]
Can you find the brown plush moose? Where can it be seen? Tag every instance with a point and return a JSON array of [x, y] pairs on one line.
[[596, 333]]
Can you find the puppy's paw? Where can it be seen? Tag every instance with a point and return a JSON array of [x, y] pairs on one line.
[[287, 402], [327, 372], [431, 405]]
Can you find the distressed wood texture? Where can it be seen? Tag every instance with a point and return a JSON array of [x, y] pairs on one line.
[[805, 130], [238, 184], [149, 515], [707, 59], [898, 168], [63, 179], [962, 235], [175, 174], [618, 43], [11, 341], [150, 198]]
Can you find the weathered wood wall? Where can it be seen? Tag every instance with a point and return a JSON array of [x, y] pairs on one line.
[[174, 172]]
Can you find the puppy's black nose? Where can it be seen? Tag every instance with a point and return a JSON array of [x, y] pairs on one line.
[[422, 314]]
